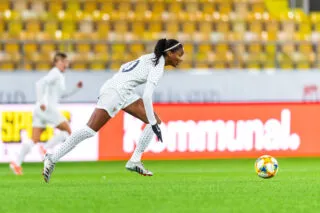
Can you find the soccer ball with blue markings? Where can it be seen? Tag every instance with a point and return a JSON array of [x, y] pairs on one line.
[[266, 166]]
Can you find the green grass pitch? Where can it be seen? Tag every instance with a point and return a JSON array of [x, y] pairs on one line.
[[213, 186]]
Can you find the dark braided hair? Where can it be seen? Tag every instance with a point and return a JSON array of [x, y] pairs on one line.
[[161, 46]]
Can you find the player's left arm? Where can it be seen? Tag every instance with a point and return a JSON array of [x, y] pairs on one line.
[[74, 90], [152, 81]]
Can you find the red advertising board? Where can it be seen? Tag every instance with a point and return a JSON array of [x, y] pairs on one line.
[[202, 131]]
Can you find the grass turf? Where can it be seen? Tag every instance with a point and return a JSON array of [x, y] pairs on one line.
[[178, 186]]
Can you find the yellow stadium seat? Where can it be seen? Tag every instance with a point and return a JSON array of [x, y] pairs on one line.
[[114, 65], [15, 28], [222, 26], [101, 48], [138, 29], [118, 51], [137, 49], [174, 7], [106, 6], [89, 6], [305, 29], [51, 27], [272, 28], [172, 28], [255, 27], [285, 61], [189, 27], [157, 8], [7, 66], [225, 7], [4, 5], [255, 48], [43, 65], [33, 26], [121, 27], [103, 28], [186, 64], [124, 7], [221, 48], [155, 27], [269, 63], [80, 63], [11, 47], [72, 6], [55, 6], [47, 48], [83, 47], [97, 65], [191, 6], [68, 27], [258, 7], [140, 7], [2, 26], [203, 51], [30, 48], [188, 51], [208, 7]]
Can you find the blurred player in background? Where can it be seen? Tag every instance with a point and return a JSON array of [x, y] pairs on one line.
[[50, 89], [118, 93]]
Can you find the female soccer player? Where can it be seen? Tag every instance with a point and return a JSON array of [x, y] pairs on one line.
[[118, 93], [50, 89]]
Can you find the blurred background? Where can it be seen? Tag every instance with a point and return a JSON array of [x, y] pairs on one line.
[[245, 60]]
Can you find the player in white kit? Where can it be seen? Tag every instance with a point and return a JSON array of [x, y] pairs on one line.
[[50, 89], [118, 93]]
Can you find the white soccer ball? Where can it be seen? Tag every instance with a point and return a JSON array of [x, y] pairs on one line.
[[266, 166]]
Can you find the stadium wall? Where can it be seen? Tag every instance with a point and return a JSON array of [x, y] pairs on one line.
[[192, 86], [190, 131]]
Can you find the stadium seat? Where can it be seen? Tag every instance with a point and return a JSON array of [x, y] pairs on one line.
[[208, 7], [101, 48], [4, 5], [55, 6], [15, 28], [89, 6], [7, 66], [103, 28], [202, 22]]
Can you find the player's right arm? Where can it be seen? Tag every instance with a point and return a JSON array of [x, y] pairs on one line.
[[43, 88]]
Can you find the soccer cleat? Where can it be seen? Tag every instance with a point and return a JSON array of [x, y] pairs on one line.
[[138, 167], [16, 169], [48, 168], [42, 151]]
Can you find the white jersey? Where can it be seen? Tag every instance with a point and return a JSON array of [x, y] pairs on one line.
[[135, 73], [51, 88]]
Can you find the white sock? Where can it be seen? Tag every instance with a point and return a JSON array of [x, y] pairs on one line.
[[75, 138], [143, 143], [56, 139], [25, 149]]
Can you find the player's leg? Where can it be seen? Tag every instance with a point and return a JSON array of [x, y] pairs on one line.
[[27, 145], [58, 138], [98, 118], [137, 110], [108, 106]]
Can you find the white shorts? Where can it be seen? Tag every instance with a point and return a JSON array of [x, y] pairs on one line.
[[111, 101], [50, 116]]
